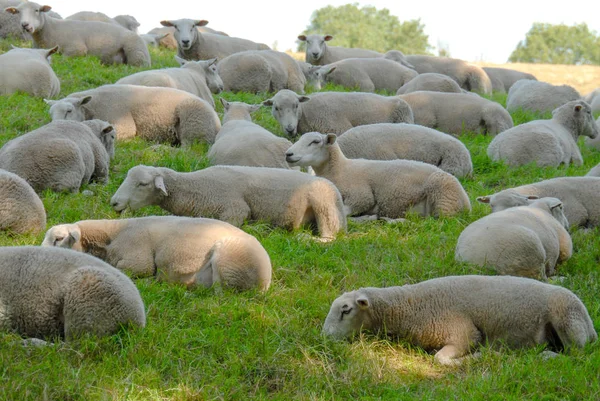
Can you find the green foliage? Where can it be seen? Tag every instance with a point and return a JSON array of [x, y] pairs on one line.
[[368, 28], [558, 44]]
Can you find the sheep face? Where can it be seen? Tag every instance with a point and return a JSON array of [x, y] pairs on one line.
[[315, 46], [555, 207], [64, 236], [286, 110], [209, 69], [143, 186], [317, 76], [32, 15], [128, 22], [186, 33], [106, 133], [68, 108], [310, 150], [583, 114], [506, 199], [348, 314], [399, 57]]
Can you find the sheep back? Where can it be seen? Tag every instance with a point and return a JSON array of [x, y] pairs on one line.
[[21, 209]]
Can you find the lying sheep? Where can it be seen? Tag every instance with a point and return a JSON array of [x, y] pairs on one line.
[[537, 96], [29, 71], [335, 112], [152, 39], [385, 189], [194, 45], [152, 113], [10, 25], [506, 78], [62, 155], [547, 142], [111, 43], [21, 209], [593, 98], [453, 315], [167, 39], [261, 71], [594, 172], [233, 194], [594, 143], [527, 241], [579, 195], [399, 57], [200, 78], [126, 21], [319, 53], [430, 81], [190, 251], [407, 141], [457, 113], [240, 142], [49, 292]]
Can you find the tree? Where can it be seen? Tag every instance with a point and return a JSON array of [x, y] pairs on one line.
[[368, 28], [558, 44]]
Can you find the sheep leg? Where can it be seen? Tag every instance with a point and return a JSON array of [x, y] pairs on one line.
[[391, 221], [451, 354], [236, 213], [364, 219]]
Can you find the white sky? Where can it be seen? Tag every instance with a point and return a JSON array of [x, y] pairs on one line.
[[472, 30]]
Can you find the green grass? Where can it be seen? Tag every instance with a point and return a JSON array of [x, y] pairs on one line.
[[236, 346]]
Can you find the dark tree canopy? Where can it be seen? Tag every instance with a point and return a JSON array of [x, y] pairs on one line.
[[558, 44], [368, 28]]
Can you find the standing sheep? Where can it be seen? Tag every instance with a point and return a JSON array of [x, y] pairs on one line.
[[51, 292], [194, 45], [240, 142], [111, 43], [152, 113], [28, 70], [407, 141], [527, 241], [319, 53], [21, 209], [430, 81], [62, 155], [386, 189], [506, 78], [537, 96], [335, 112], [547, 142], [190, 251], [200, 78], [233, 194], [456, 314], [126, 21], [261, 71]]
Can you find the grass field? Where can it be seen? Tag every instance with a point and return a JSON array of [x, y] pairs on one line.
[[199, 345]]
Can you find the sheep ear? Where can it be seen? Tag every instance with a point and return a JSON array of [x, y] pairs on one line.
[[51, 51], [557, 203], [484, 199], [331, 138], [363, 302], [50, 102], [253, 107], [84, 100], [302, 38], [11, 10], [166, 23], [201, 22], [329, 70], [578, 108], [328, 38], [212, 61], [225, 103], [180, 60], [532, 197], [74, 236], [108, 129], [159, 183], [161, 37], [45, 9], [268, 103], [303, 99]]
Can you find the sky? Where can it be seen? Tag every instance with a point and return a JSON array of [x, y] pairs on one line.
[[469, 29]]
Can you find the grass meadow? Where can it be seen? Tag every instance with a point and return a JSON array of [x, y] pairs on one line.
[[200, 345]]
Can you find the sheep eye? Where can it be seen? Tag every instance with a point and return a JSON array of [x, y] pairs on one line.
[[58, 239], [314, 142], [345, 311], [143, 184], [68, 111], [276, 108]]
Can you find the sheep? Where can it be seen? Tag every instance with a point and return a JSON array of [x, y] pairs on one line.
[[190, 251], [547, 142], [167, 38], [111, 43], [384, 189], [153, 39], [399, 57], [593, 98], [538, 96], [367, 74], [580, 196], [261, 71], [233, 194], [199, 78], [28, 70], [454, 315], [457, 113], [194, 45], [430, 81], [594, 143], [407, 141], [51, 292], [319, 53], [244, 143], [335, 112], [10, 25], [62, 155], [505, 78], [152, 113], [21, 209], [126, 21]]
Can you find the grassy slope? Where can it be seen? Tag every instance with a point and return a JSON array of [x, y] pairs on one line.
[[199, 345]]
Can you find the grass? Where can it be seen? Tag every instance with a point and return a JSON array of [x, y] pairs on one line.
[[199, 345]]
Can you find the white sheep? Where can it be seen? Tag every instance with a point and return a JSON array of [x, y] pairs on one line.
[[593, 98], [190, 251], [234, 194], [261, 71], [407, 141], [153, 39], [430, 81], [579, 195], [456, 314], [21, 209], [62, 155], [111, 43], [335, 112], [200, 78], [28, 70], [319, 53], [152, 113], [457, 113], [594, 143], [126, 21], [546, 142], [51, 292], [383, 188], [10, 25], [504, 78], [194, 45], [167, 38], [527, 241], [538, 96], [240, 142]]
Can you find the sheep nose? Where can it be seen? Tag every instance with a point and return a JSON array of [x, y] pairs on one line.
[[25, 25], [185, 42], [289, 154], [315, 54]]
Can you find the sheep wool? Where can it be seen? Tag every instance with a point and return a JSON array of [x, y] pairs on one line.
[[21, 209]]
